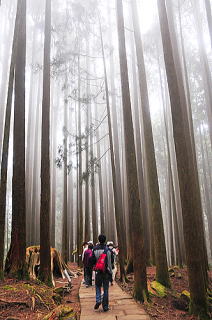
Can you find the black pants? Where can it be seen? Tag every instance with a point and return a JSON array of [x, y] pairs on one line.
[[102, 280], [88, 276]]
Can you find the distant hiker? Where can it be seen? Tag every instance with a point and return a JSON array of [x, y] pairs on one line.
[[111, 248], [88, 265], [102, 261], [84, 248]]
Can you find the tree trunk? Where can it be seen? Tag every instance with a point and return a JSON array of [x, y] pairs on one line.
[[45, 256], [140, 284], [209, 18], [162, 275], [65, 178], [5, 149], [117, 202], [191, 205], [16, 258]]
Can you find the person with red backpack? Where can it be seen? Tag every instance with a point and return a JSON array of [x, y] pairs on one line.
[[87, 265], [102, 262]]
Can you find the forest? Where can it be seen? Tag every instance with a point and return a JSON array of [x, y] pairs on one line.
[[106, 128]]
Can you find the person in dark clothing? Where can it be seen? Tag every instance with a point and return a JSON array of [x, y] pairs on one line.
[[110, 247], [102, 277], [87, 265]]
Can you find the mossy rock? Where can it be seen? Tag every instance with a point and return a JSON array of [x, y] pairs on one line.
[[159, 289], [59, 290], [61, 313], [57, 299], [180, 304], [185, 295]]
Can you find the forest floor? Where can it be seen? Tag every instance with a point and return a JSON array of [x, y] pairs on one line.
[[161, 308], [33, 301]]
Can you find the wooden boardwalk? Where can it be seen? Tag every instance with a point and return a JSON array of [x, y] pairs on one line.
[[122, 306]]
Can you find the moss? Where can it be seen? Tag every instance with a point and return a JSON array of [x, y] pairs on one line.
[[57, 299], [9, 288], [185, 293], [159, 288], [61, 313], [1, 275]]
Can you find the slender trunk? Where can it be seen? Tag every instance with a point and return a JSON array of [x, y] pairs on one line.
[[191, 205], [16, 258], [65, 180], [45, 255], [209, 18], [5, 149], [117, 203], [140, 284], [162, 275], [79, 143], [101, 201]]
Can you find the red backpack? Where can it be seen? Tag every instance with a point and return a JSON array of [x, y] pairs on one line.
[[101, 262]]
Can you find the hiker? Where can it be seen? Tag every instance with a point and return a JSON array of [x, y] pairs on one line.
[[87, 265], [113, 255], [84, 248], [102, 261]]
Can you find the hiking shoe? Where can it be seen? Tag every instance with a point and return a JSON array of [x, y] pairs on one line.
[[106, 309], [97, 305]]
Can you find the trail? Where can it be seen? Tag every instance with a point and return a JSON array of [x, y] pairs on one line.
[[122, 306]]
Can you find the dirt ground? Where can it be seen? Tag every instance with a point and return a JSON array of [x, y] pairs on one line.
[[163, 308], [31, 300]]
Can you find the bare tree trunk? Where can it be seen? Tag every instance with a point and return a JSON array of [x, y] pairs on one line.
[[102, 211], [65, 179], [140, 285], [16, 258], [79, 142], [33, 222], [208, 12], [117, 202], [191, 205], [45, 256], [93, 196], [5, 149], [162, 275]]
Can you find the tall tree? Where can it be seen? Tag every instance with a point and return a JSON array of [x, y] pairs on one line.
[[5, 148], [116, 185], [65, 178], [191, 205], [209, 17], [139, 261], [45, 254], [162, 275], [16, 258]]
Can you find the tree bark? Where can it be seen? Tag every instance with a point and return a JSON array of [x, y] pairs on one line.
[[162, 275], [191, 205], [45, 255], [16, 258], [140, 284], [5, 148]]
